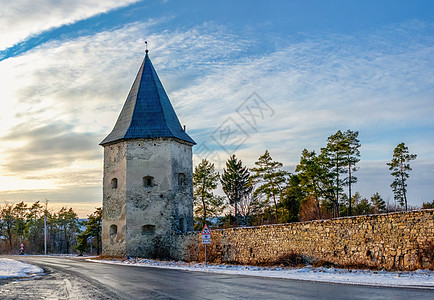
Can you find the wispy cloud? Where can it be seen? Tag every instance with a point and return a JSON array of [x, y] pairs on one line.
[[63, 97], [320, 84], [20, 19]]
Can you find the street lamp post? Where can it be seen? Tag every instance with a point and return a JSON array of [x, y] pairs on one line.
[[45, 227]]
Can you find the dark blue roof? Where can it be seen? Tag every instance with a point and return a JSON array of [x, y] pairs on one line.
[[147, 112]]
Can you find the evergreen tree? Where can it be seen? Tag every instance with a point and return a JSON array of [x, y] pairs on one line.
[[67, 221], [206, 204], [378, 202], [363, 207], [292, 198], [8, 223], [427, 205], [34, 228], [235, 182], [314, 177], [400, 166], [92, 231], [20, 223], [342, 154], [334, 156], [20, 216], [351, 148], [270, 178]]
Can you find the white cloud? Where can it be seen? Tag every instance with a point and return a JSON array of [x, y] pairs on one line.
[[20, 19], [61, 99], [315, 86]]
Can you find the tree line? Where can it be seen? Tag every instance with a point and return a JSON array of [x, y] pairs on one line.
[[321, 187], [65, 233]]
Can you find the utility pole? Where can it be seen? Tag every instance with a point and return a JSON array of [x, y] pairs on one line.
[[45, 227]]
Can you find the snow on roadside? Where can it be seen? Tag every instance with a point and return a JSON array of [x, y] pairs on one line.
[[13, 268], [419, 278]]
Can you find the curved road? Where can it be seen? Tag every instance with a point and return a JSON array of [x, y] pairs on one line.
[[79, 279]]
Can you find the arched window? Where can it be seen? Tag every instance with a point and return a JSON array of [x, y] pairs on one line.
[[148, 181], [113, 230], [181, 179], [114, 183], [148, 229], [182, 224]]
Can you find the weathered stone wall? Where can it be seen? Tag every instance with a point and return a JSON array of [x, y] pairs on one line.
[[114, 200], [403, 241], [152, 199], [155, 211]]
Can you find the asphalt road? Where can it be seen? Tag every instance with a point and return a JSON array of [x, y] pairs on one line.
[[78, 279]]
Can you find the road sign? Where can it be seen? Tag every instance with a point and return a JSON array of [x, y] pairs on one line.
[[206, 230], [206, 238], [206, 235]]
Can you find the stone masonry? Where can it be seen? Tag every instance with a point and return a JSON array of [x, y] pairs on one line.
[[399, 241], [152, 199]]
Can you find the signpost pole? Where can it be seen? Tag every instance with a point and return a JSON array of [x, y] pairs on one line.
[[206, 239]]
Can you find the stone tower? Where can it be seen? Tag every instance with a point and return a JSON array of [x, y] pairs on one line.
[[147, 185]]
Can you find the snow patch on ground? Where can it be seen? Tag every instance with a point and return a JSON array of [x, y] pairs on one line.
[[13, 268], [419, 278]]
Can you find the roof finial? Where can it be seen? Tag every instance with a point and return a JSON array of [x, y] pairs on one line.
[[146, 43]]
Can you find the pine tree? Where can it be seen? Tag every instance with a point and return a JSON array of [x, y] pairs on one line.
[[362, 207], [270, 178], [351, 148], [334, 155], [8, 223], [34, 227], [342, 153], [400, 166], [20, 215], [313, 177], [235, 182], [206, 204], [378, 202], [67, 221], [292, 198], [93, 231]]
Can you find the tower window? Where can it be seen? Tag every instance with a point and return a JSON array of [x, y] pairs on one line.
[[113, 230], [181, 179], [114, 183], [148, 229], [148, 181], [182, 224]]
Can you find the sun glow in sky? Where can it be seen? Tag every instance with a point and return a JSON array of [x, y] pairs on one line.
[[319, 66]]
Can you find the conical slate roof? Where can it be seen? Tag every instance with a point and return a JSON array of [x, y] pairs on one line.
[[147, 112]]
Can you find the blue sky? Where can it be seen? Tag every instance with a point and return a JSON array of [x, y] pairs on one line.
[[313, 66]]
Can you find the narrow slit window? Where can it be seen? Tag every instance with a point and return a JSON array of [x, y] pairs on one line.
[[114, 183], [113, 230], [148, 181], [181, 179], [182, 224]]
